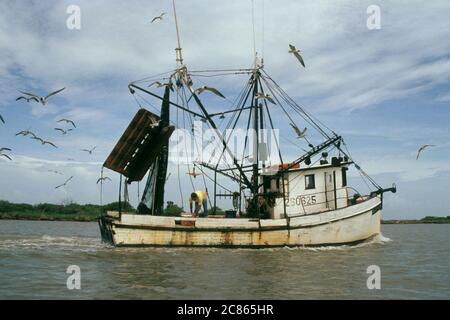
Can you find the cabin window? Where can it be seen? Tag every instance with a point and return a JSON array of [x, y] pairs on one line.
[[344, 176], [310, 182]]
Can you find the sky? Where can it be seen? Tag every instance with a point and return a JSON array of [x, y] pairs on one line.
[[386, 90]]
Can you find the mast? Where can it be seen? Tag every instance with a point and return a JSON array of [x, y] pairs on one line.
[[256, 148], [256, 142], [163, 157], [178, 48]]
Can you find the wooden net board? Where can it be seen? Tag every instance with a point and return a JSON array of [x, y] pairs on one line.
[[138, 146]]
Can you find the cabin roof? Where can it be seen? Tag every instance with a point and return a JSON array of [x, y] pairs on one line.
[[323, 166]]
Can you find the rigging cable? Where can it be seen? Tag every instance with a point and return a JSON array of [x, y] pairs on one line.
[[183, 98], [306, 116], [362, 172], [194, 166], [154, 77], [178, 164]]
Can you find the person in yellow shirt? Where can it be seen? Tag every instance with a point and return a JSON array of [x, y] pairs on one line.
[[200, 198]]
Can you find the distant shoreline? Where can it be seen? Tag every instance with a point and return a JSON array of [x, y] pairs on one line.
[[444, 220], [80, 218]]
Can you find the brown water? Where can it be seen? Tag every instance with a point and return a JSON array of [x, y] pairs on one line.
[[414, 262]]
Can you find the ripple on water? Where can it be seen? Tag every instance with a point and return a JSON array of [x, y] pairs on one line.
[[47, 242]]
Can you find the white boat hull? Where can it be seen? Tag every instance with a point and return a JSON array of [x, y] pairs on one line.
[[348, 225]]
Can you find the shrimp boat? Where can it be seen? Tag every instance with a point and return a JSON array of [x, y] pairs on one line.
[[283, 186]]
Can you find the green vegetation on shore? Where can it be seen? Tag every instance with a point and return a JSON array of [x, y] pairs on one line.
[[91, 212], [57, 212], [428, 219], [72, 211]]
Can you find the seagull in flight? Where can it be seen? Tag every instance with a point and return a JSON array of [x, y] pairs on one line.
[[160, 17], [63, 131], [296, 53], [64, 184], [68, 121], [266, 97], [1, 119], [159, 85], [300, 134], [56, 172], [44, 142], [42, 100], [422, 148], [89, 151], [5, 155], [193, 173], [28, 99], [103, 179], [210, 89], [26, 133]]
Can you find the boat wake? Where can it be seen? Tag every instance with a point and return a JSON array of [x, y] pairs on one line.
[[47, 242], [379, 239]]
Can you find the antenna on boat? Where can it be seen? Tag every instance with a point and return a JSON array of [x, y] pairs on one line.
[[178, 48]]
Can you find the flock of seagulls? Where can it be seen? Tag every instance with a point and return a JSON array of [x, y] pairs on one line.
[[64, 130], [26, 133]]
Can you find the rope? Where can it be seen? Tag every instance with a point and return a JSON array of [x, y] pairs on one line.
[[101, 189]]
